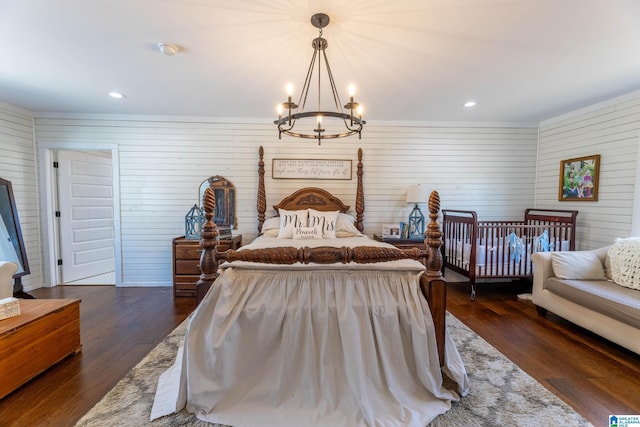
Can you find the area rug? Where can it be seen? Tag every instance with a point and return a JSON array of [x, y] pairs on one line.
[[501, 394]]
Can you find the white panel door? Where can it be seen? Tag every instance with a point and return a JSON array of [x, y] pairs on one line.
[[85, 186]]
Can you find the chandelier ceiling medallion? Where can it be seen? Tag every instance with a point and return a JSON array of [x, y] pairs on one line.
[[323, 124]]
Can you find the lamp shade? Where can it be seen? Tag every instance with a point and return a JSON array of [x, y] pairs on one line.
[[416, 194]]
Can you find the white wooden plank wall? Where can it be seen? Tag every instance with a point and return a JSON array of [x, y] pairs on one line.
[[163, 161], [17, 164], [610, 130]]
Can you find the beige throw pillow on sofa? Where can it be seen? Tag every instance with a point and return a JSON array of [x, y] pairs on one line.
[[624, 258], [578, 265]]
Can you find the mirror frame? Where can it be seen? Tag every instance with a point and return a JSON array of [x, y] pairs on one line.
[[12, 214], [224, 191]]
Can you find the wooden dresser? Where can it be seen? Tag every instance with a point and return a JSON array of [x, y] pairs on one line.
[[186, 262], [45, 332]]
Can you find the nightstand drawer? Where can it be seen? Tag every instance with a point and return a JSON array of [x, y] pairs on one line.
[[186, 262], [185, 292], [187, 266], [188, 252], [184, 288]]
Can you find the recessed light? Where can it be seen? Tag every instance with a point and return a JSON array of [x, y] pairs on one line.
[[470, 104], [168, 49], [117, 95]]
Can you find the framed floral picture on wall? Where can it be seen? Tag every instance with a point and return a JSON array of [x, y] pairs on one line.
[[579, 179]]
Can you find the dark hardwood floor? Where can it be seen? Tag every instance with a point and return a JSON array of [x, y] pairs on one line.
[[119, 326], [594, 376]]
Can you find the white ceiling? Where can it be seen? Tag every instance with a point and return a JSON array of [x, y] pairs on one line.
[[521, 60]]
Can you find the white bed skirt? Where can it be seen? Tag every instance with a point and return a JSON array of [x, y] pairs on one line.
[[312, 348]]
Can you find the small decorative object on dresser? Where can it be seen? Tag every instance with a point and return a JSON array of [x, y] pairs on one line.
[[416, 194], [391, 231], [186, 260], [9, 307], [193, 221]]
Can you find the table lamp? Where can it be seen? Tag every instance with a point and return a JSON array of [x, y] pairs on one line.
[[416, 194]]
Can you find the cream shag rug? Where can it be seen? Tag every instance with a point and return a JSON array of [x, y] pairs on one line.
[[501, 394]]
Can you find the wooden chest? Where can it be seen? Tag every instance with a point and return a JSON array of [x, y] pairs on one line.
[[45, 332], [186, 262]]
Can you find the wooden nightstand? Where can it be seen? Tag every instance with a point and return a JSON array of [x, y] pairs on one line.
[[186, 262], [401, 243]]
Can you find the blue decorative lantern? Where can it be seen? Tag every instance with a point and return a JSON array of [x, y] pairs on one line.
[[415, 195], [193, 222]]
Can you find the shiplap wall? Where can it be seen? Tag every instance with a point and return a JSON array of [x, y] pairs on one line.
[[610, 129], [489, 168], [17, 164]]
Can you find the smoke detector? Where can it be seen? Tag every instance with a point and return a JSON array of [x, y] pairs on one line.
[[168, 49]]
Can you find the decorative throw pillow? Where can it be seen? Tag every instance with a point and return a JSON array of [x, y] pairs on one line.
[[271, 227], [306, 233], [289, 221], [345, 226], [624, 259], [326, 221], [577, 265]]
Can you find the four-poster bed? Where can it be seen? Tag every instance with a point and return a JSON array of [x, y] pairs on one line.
[[331, 331]]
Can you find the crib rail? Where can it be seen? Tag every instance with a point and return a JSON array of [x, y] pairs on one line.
[[502, 249]]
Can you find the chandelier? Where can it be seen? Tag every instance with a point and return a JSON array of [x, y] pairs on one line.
[[351, 116]]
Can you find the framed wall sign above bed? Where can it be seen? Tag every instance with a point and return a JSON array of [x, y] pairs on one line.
[[311, 169]]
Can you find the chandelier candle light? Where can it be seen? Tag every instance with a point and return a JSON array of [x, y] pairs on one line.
[[352, 119]]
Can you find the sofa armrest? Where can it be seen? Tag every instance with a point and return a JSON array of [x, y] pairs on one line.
[[542, 270], [7, 270]]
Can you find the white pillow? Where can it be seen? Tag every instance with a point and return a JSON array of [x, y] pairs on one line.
[[624, 259], [345, 226], [289, 221], [271, 232], [271, 227], [326, 220], [577, 265], [306, 233]]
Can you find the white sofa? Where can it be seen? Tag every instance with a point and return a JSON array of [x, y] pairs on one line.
[[7, 270], [585, 295]]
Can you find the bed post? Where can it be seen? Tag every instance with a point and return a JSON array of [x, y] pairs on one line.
[[208, 243], [434, 286], [359, 195], [262, 198]]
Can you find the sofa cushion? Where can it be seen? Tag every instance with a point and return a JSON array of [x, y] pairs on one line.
[[624, 260], [605, 297], [577, 265]]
